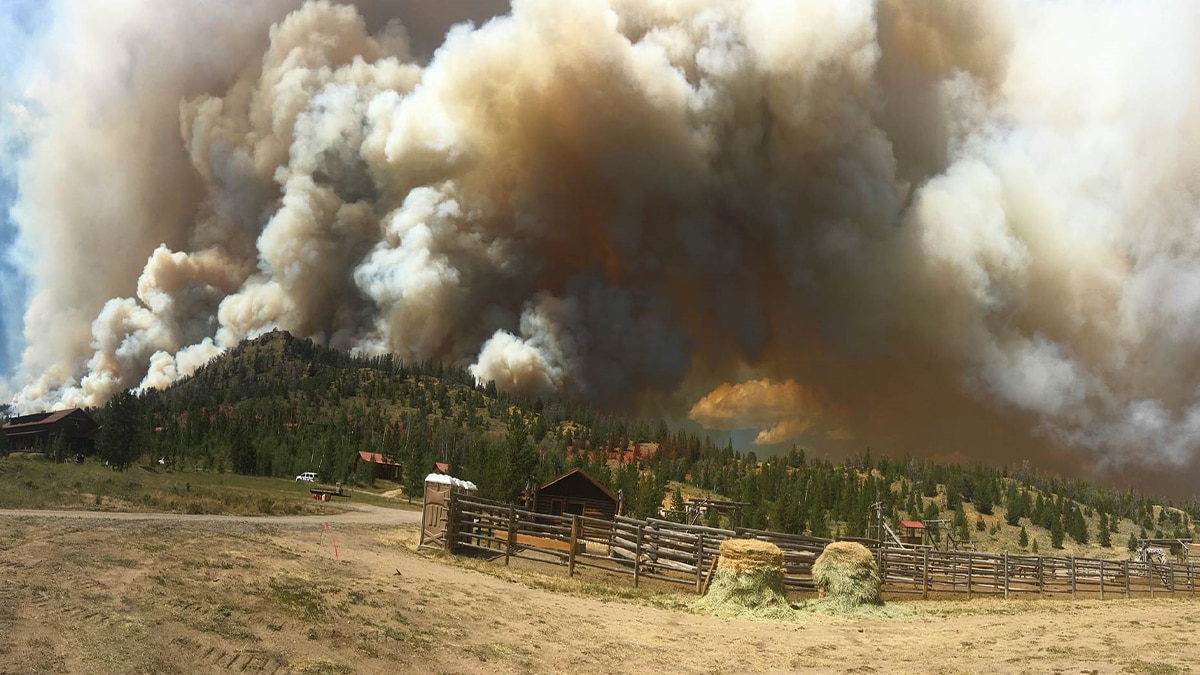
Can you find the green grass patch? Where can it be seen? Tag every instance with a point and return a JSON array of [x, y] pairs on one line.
[[297, 596], [32, 482]]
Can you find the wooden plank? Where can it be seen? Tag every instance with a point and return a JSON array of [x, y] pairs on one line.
[[534, 541]]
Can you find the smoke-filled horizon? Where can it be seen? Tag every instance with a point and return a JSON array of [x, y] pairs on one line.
[[956, 229]]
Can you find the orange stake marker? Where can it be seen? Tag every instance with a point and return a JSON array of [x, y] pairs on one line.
[[332, 541]]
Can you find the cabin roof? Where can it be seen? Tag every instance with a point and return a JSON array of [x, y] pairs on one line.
[[583, 474], [376, 458], [46, 420], [914, 524]]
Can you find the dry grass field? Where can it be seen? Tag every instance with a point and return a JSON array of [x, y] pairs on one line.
[[120, 593]]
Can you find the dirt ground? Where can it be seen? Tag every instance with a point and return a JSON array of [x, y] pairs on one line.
[[127, 593]]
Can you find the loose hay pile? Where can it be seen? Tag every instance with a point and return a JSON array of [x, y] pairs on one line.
[[846, 577], [748, 582]]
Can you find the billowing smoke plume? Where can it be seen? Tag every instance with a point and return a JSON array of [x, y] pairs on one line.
[[972, 225]]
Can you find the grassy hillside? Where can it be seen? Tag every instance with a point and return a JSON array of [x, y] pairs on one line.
[[277, 406]]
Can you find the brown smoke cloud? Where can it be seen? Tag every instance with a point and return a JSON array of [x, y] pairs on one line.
[[937, 227]]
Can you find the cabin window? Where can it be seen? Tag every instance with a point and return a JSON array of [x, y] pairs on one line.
[[556, 507], [575, 508]]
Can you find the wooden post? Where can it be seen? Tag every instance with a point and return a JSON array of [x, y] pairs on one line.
[[925, 578], [1073, 577], [970, 569], [1150, 573], [1041, 577], [451, 516], [512, 532], [1101, 579], [1125, 568], [574, 545], [1171, 572], [1191, 580], [1006, 574], [637, 556], [699, 563]]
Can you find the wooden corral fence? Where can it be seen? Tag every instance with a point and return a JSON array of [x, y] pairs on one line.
[[686, 554]]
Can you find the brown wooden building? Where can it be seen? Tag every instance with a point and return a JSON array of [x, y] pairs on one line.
[[576, 493], [37, 432], [382, 466]]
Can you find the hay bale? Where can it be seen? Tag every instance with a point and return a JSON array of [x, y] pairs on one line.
[[748, 582], [846, 576], [741, 556]]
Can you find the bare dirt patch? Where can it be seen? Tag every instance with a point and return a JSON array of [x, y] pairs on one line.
[[136, 595]]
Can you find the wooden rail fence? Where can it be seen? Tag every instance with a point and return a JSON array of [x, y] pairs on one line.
[[685, 554]]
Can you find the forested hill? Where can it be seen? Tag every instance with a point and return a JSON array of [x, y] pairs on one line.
[[278, 406]]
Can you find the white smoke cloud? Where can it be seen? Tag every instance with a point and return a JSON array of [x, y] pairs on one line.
[[917, 213]]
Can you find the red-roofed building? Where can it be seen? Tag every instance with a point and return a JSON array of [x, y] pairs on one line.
[[914, 532], [384, 467], [37, 432]]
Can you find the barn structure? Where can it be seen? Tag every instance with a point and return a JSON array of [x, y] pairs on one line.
[[576, 493], [38, 432], [382, 466]]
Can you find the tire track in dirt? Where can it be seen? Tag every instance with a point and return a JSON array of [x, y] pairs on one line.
[[254, 661]]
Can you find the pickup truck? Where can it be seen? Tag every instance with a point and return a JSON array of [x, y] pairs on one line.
[[307, 477]]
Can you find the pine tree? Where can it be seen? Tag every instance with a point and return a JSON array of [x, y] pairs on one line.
[[1105, 535], [980, 526], [1023, 539], [1056, 533], [122, 438], [1012, 505], [1132, 544], [677, 507], [1034, 548]]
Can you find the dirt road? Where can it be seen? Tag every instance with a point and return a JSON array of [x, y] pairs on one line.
[[127, 593]]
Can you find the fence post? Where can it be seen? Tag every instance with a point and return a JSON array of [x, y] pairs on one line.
[[1005, 574], [1191, 580], [451, 517], [1150, 573], [574, 545], [1101, 579], [925, 577], [970, 570], [1072, 577], [1125, 568], [699, 561], [637, 556], [1041, 575], [512, 532], [1171, 572]]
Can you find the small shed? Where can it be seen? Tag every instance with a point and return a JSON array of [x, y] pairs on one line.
[[37, 432], [576, 493], [913, 532], [383, 467]]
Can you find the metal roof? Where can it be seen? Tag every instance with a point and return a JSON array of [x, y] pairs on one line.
[[376, 458], [915, 524]]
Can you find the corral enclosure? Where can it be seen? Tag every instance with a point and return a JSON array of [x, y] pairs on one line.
[[681, 554]]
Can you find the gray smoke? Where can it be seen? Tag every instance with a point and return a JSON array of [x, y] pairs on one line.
[[943, 227]]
